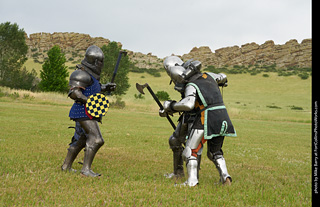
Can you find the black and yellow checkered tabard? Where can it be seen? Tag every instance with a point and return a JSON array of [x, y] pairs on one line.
[[97, 105]]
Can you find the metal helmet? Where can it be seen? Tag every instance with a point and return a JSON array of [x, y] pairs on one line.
[[93, 60], [179, 71], [174, 68], [172, 61]]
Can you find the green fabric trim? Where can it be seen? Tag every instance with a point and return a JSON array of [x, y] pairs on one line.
[[205, 116], [223, 127], [199, 93]]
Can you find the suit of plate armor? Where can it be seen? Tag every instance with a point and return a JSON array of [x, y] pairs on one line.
[[84, 81], [204, 118]]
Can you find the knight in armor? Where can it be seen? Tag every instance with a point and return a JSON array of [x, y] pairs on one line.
[[84, 81], [204, 119]]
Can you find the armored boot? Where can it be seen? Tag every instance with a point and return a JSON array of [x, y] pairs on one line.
[[93, 143], [177, 149], [221, 166], [77, 144], [89, 155], [71, 156], [178, 163], [192, 167]]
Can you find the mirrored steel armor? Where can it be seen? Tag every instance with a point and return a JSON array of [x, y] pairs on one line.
[[204, 118]]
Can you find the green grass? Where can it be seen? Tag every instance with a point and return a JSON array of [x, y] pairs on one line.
[[270, 160]]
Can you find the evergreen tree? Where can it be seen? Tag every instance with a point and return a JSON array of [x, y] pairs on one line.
[[54, 73], [111, 53]]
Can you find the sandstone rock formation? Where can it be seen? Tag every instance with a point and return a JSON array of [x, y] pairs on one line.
[[145, 61], [66, 41], [74, 46], [290, 54]]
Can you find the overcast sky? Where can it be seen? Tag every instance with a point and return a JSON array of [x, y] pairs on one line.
[[164, 27]]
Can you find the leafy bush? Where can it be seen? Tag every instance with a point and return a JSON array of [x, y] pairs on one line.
[[140, 96], [296, 107], [304, 75], [119, 104], [14, 95], [162, 95], [154, 72], [213, 69], [151, 71], [273, 107]]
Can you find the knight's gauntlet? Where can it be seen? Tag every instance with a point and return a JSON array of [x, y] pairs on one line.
[[167, 109], [168, 106], [108, 87]]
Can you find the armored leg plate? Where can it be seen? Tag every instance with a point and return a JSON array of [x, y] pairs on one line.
[[192, 168], [87, 162], [221, 166]]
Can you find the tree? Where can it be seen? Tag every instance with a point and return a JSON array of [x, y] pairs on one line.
[[111, 53], [13, 51], [54, 73], [23, 79]]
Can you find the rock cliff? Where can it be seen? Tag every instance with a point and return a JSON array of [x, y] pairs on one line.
[[290, 54], [67, 41], [74, 46]]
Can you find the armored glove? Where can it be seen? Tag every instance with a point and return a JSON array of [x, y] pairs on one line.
[[108, 87], [167, 108]]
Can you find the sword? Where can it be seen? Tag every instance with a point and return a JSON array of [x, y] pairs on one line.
[[121, 52], [124, 53]]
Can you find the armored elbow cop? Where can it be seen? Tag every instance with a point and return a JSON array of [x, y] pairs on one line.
[[77, 95], [222, 80], [79, 80]]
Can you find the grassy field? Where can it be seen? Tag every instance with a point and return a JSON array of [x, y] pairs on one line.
[[270, 160]]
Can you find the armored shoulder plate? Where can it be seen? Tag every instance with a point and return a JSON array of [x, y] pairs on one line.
[[220, 78], [80, 78]]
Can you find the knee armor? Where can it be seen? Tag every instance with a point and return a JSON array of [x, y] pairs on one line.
[[186, 154], [175, 143]]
